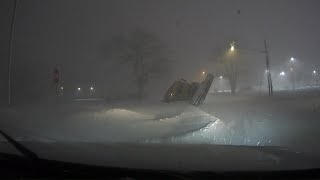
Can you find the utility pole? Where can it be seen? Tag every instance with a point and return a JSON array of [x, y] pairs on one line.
[[10, 52], [270, 87]]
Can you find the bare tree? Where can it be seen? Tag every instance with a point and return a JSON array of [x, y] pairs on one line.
[[228, 65], [145, 52], [231, 70]]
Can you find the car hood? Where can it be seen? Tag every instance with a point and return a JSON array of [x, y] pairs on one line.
[[177, 157]]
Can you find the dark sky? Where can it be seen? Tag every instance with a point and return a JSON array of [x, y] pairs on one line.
[[72, 34]]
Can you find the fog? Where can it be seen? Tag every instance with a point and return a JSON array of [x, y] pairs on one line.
[[112, 82], [75, 35]]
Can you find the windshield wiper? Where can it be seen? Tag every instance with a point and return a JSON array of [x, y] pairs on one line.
[[21, 148]]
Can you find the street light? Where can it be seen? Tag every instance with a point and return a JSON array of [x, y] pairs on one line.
[[221, 77], [232, 46], [61, 87], [266, 53], [293, 74], [314, 72], [79, 89], [203, 72], [282, 73], [292, 59], [91, 88]]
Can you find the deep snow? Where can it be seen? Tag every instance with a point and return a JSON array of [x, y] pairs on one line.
[[288, 121], [103, 122], [285, 121]]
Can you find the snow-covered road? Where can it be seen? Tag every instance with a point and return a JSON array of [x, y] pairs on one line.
[[104, 123], [233, 120], [291, 122]]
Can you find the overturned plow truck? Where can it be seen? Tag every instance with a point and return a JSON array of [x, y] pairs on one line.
[[194, 93]]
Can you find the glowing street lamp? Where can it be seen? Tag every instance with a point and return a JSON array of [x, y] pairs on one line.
[[203, 73], [233, 51], [314, 72], [232, 46], [61, 87], [79, 89], [91, 88], [292, 73], [221, 77], [291, 63], [282, 73], [292, 59]]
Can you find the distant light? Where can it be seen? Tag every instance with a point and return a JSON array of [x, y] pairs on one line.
[[61, 88], [79, 89], [221, 77], [282, 73], [267, 70], [292, 59], [171, 94], [291, 69], [91, 88], [232, 46], [314, 72], [203, 72]]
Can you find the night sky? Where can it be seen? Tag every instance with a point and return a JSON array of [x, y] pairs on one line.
[[74, 35]]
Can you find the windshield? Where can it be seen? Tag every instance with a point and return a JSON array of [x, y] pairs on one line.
[[174, 73]]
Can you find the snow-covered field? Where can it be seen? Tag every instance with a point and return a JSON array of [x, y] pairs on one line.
[[234, 120]]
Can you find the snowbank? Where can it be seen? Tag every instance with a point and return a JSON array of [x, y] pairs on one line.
[[103, 123], [230, 120]]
